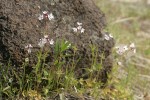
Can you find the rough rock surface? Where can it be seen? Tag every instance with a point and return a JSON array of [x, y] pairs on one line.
[[19, 26]]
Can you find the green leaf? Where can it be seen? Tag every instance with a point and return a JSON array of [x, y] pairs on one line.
[[45, 73]]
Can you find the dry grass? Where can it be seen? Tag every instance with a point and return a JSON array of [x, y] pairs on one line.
[[130, 22]]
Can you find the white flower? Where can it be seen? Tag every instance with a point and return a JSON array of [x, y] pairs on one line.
[[45, 12], [75, 89], [75, 29], [106, 37], [29, 50], [67, 54], [110, 36], [68, 45], [121, 50], [66, 42], [10, 80], [28, 47], [134, 51], [41, 43], [45, 40], [50, 16], [119, 63], [78, 23], [51, 42], [82, 30], [125, 48], [132, 45], [39, 7], [79, 27], [46, 36], [41, 17], [26, 59], [45, 15]]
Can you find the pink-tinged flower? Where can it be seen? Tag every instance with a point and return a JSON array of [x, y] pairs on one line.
[[46, 15], [51, 42], [29, 47]]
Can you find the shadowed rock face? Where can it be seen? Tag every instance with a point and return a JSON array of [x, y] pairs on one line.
[[19, 26]]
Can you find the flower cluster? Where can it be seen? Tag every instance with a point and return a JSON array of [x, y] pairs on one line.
[[126, 51], [121, 49], [108, 37], [46, 15], [124, 48], [41, 44], [78, 28], [45, 40]]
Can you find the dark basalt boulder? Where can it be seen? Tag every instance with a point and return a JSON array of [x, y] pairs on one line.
[[20, 26]]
